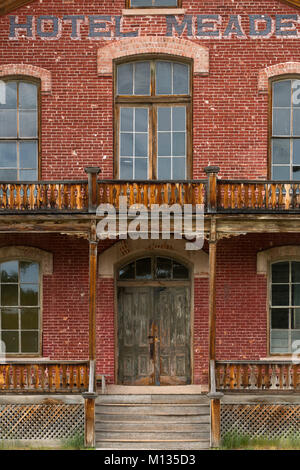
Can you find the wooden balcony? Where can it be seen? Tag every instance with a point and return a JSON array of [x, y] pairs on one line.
[[84, 196], [44, 377], [257, 376]]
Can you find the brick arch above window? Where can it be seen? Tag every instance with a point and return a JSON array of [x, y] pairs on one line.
[[277, 253], [153, 45], [276, 70], [29, 71], [30, 253]]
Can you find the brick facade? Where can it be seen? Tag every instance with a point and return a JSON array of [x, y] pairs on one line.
[[230, 129]]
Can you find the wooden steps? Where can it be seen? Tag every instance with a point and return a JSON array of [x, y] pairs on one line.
[[152, 422]]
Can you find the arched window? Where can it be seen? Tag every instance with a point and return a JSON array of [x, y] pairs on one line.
[[285, 307], [285, 133], [154, 268], [19, 130], [153, 120], [20, 307]]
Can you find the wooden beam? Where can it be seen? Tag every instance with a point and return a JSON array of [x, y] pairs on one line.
[[215, 416]]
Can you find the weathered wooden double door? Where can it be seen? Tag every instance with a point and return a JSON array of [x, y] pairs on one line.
[[154, 335]]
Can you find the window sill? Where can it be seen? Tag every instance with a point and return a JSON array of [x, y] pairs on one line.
[[24, 360], [152, 11], [287, 358]]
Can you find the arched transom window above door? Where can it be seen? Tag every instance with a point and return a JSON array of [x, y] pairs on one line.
[[153, 120], [154, 268]]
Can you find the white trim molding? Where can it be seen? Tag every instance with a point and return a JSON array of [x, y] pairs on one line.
[[30, 253], [125, 250], [287, 252]]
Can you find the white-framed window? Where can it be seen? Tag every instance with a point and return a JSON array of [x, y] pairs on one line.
[[284, 306], [20, 307]]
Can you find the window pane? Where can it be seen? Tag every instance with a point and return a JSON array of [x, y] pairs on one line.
[[142, 78], [282, 94], [141, 120], [8, 154], [279, 341], [296, 122], [141, 145], [141, 3], [180, 271], [163, 268], [125, 79], [126, 168], [281, 173], [178, 118], [163, 78], [296, 318], [126, 119], [164, 119], [164, 168], [29, 294], [143, 268], [9, 294], [281, 121], [28, 123], [280, 318], [280, 294], [29, 341], [164, 144], [281, 150], [179, 144], [179, 168], [9, 271], [27, 96], [8, 98], [127, 272], [295, 93], [8, 123], [180, 79], [295, 338], [296, 151], [295, 271], [28, 175], [11, 340], [28, 155], [280, 272], [141, 170], [165, 3], [29, 318], [156, 3], [29, 272], [9, 319], [126, 147], [296, 294]]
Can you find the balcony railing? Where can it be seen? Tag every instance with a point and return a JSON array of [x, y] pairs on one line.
[[84, 196], [247, 376], [44, 377]]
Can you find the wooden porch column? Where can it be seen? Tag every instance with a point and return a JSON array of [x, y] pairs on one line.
[[89, 398], [212, 289], [215, 397], [212, 188]]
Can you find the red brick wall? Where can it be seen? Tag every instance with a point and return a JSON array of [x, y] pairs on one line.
[[230, 115]]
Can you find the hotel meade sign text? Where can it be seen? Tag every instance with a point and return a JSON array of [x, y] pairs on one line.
[[106, 27]]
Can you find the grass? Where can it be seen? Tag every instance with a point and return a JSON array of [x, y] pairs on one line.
[[74, 443], [237, 441]]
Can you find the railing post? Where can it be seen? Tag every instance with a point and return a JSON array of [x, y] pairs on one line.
[[211, 194], [215, 408], [92, 172], [89, 419]]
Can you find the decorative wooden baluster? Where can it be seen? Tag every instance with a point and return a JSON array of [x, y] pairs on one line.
[[274, 378], [259, 377], [232, 382], [245, 376], [252, 379]]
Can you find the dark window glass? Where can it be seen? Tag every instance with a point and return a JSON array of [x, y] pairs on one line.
[[286, 130], [18, 131], [140, 118], [19, 306], [164, 268]]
